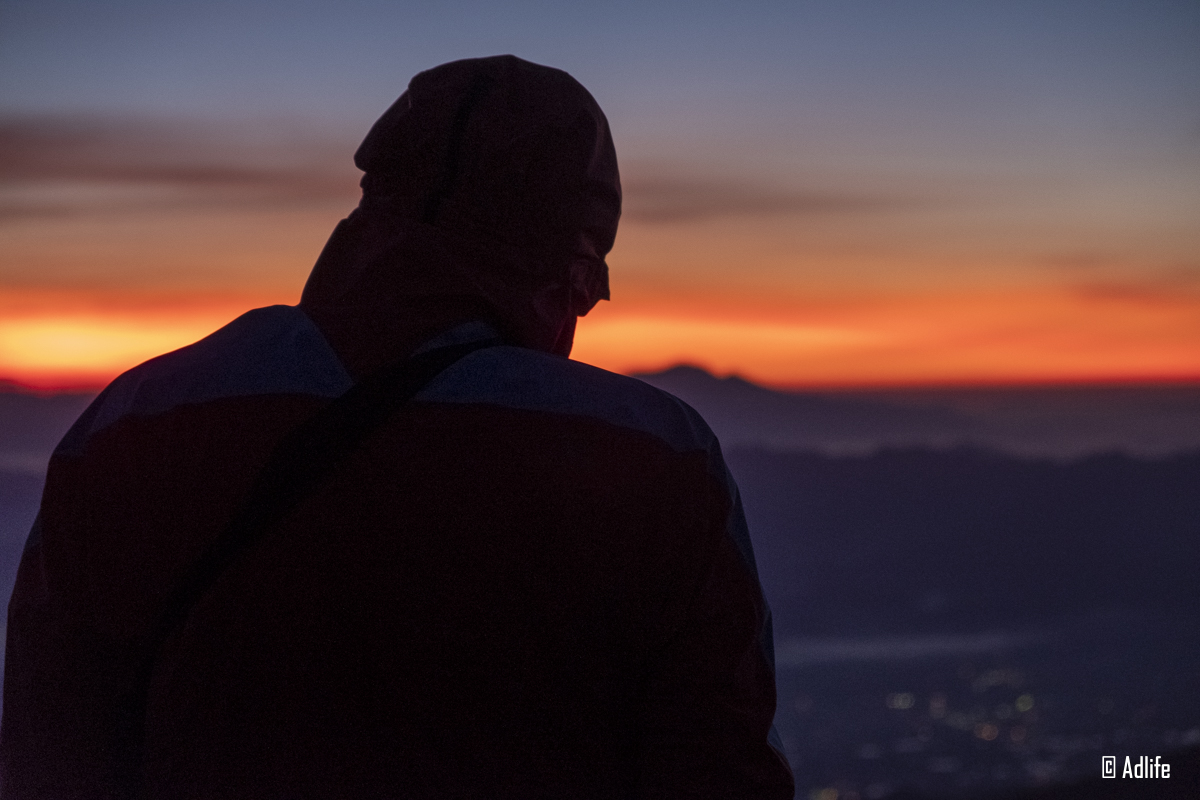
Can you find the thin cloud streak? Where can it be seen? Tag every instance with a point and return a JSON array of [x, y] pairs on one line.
[[1161, 285], [53, 167], [212, 166], [683, 199]]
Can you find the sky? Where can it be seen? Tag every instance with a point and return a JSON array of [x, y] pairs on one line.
[[846, 193]]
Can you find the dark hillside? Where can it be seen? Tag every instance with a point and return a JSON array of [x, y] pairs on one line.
[[917, 540]]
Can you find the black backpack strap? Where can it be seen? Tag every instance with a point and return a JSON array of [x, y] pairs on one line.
[[296, 468]]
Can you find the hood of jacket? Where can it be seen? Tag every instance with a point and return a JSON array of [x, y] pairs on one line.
[[490, 192]]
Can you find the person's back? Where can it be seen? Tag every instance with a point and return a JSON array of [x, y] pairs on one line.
[[533, 580]]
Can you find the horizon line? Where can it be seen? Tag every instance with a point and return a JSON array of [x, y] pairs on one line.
[[10, 385]]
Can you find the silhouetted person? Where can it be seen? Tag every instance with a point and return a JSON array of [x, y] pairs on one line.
[[263, 569]]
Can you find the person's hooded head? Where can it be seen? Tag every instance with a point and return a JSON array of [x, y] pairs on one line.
[[490, 193]]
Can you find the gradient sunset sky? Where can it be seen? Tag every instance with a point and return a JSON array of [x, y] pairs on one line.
[[832, 193]]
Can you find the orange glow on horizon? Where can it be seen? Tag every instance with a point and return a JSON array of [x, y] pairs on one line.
[[71, 342], [66, 352], [967, 338], [60, 341]]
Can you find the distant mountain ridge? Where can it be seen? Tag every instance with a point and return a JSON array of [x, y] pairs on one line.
[[31, 424], [1051, 422]]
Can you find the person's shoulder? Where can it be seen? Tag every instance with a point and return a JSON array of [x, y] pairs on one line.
[[520, 378], [271, 350]]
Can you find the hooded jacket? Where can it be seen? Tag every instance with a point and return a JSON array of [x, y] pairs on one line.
[[533, 581]]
